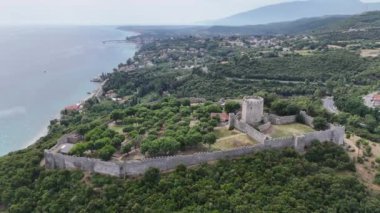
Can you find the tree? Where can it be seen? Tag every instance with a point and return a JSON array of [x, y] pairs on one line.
[[186, 102], [126, 148], [193, 138], [371, 122], [79, 149], [117, 115], [320, 123], [100, 143], [232, 106], [161, 146], [209, 139], [152, 176], [279, 107], [106, 152], [214, 108], [292, 109]]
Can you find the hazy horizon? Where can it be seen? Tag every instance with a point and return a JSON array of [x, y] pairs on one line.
[[123, 12]]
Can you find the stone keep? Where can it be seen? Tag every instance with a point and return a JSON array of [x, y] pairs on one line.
[[253, 110]]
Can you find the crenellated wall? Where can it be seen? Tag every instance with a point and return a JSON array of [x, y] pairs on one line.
[[55, 160], [137, 167], [278, 143], [282, 120]]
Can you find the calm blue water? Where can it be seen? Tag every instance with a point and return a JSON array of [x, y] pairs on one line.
[[72, 56]]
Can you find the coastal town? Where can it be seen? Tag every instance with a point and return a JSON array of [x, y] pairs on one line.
[[206, 56], [260, 117]]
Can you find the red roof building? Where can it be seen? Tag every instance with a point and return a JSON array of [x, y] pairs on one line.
[[376, 97], [224, 117], [76, 107], [376, 100]]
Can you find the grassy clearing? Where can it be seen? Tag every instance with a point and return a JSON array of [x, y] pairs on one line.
[[194, 123], [305, 52], [279, 131], [233, 141], [224, 132], [118, 129]]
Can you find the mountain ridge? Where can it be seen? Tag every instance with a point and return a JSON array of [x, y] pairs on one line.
[[291, 11]]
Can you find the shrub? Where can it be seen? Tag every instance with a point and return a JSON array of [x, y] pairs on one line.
[[126, 148], [106, 152], [377, 179], [360, 160], [79, 149], [232, 106], [128, 128], [378, 160], [300, 119], [320, 123], [368, 151], [209, 139], [152, 177]]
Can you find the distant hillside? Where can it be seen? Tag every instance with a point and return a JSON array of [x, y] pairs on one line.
[[294, 27], [297, 10], [370, 20], [328, 24]]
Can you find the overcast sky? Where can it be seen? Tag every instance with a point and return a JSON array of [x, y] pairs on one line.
[[116, 12]]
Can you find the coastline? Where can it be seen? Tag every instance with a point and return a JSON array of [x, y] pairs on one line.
[[98, 92], [45, 130]]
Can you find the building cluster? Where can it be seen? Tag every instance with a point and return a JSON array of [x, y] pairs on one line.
[[188, 52], [376, 100]]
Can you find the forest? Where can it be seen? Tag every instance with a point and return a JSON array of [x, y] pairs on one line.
[[271, 181]]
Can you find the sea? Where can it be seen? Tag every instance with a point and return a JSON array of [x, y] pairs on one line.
[[43, 69]]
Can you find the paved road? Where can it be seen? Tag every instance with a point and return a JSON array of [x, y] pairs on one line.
[[277, 81], [329, 105]]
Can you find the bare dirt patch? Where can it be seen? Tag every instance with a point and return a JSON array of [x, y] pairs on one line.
[[367, 170], [334, 47], [233, 141], [279, 131], [370, 53]]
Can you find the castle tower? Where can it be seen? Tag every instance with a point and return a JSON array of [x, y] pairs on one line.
[[253, 110]]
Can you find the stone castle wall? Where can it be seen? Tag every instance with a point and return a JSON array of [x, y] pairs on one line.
[[279, 143], [54, 160], [248, 129], [135, 168], [282, 120], [59, 161], [265, 127], [307, 119]]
